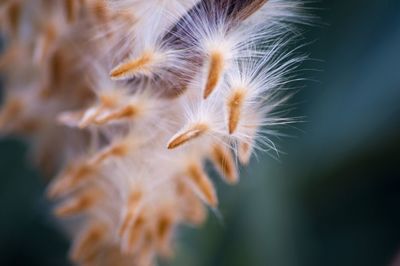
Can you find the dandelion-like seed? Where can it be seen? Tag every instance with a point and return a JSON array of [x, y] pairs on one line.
[[127, 100]]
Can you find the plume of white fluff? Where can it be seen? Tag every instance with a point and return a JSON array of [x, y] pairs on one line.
[[146, 92]]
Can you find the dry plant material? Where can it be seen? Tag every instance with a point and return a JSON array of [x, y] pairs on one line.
[[125, 100]]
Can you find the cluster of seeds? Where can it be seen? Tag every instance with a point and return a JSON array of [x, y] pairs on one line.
[[130, 98]]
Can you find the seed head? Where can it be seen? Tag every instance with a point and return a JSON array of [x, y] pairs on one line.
[[128, 99]]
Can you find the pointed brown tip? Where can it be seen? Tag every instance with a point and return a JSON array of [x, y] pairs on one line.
[[216, 66], [235, 105], [203, 184], [124, 70], [224, 162], [193, 132]]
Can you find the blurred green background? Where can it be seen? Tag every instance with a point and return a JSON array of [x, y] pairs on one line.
[[332, 199]]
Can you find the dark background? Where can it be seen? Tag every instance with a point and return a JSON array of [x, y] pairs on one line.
[[332, 199]]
